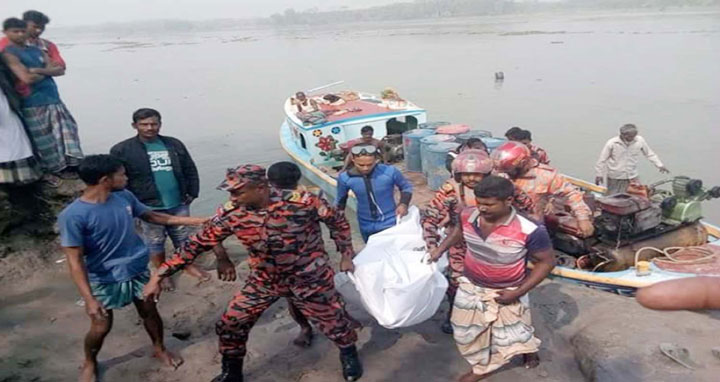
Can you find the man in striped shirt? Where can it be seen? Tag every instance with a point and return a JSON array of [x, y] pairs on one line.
[[491, 311]]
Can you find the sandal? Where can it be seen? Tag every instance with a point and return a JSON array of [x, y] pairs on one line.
[[678, 354], [52, 180]]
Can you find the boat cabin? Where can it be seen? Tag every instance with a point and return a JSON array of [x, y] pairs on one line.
[[324, 121]]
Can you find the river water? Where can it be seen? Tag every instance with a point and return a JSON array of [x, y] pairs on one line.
[[571, 79]]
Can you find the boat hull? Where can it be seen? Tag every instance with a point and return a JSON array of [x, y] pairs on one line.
[[624, 282]]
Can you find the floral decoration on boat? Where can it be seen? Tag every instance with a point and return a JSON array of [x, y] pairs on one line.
[[326, 144], [336, 130], [317, 132]]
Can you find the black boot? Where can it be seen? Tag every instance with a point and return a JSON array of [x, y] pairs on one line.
[[351, 366], [231, 370], [446, 327]]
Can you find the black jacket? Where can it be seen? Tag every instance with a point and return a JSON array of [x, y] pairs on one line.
[[140, 178]]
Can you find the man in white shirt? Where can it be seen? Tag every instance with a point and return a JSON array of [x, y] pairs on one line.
[[619, 159]]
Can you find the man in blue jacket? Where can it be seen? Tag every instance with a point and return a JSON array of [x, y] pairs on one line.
[[374, 185]]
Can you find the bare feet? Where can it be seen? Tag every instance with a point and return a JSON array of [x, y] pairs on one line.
[[304, 339], [168, 358], [531, 360], [471, 377], [88, 372], [167, 284]]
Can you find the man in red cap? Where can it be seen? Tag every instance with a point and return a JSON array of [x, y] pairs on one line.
[[287, 258], [468, 168], [541, 182]]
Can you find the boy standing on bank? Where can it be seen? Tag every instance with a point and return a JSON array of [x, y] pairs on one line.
[[107, 259]]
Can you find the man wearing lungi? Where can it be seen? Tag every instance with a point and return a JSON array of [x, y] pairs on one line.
[[108, 260], [491, 312]]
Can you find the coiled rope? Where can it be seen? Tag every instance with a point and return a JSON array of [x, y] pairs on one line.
[[669, 255]]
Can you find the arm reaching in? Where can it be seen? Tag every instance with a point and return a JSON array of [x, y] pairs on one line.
[[339, 228], [693, 293], [653, 158], [212, 234], [453, 237], [166, 219]]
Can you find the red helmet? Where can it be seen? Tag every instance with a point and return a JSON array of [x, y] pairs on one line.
[[472, 161], [509, 156]]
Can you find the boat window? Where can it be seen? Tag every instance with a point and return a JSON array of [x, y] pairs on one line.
[[401, 124], [302, 141]]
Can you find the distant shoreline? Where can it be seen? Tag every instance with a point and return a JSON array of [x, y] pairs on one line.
[[217, 25]]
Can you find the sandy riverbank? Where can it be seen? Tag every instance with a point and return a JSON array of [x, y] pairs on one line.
[[587, 335]]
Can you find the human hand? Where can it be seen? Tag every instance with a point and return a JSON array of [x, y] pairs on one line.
[[586, 227], [664, 170], [346, 265], [151, 291], [506, 297], [95, 310], [226, 270], [434, 255], [598, 180], [401, 210]]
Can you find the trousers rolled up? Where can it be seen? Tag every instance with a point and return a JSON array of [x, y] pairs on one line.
[[313, 294]]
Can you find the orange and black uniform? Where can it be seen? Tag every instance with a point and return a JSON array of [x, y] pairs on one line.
[[287, 258]]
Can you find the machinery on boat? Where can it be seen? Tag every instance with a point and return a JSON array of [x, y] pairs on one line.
[[625, 223]]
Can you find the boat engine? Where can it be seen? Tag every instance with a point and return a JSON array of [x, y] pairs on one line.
[[682, 204], [624, 216], [625, 223]]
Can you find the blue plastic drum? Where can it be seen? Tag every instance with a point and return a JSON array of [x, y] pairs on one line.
[[492, 143], [431, 140], [432, 125], [434, 159], [462, 138], [411, 148]]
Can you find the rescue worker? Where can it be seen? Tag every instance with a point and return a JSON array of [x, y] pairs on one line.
[[374, 186], [366, 138], [469, 168], [525, 137], [541, 182], [287, 258], [470, 144]]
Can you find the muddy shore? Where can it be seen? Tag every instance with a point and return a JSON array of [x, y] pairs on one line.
[[586, 334]]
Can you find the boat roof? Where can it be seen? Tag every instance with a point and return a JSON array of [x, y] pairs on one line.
[[356, 105]]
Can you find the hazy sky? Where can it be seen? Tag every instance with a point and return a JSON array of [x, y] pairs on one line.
[[74, 12]]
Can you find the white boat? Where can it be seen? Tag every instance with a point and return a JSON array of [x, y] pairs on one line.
[[313, 148]]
